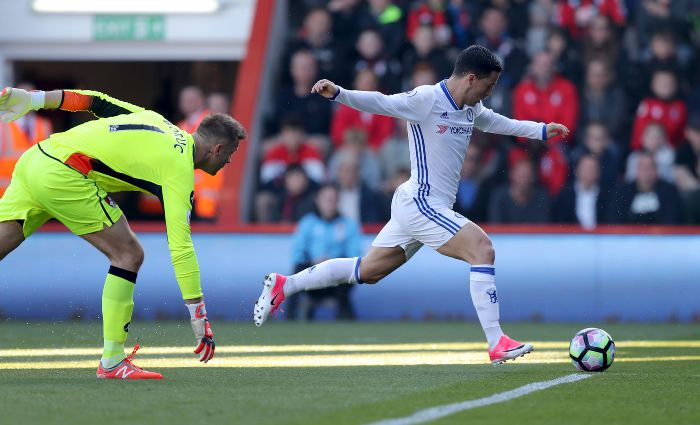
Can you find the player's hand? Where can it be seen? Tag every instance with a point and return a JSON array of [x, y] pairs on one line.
[[203, 334], [14, 103], [325, 88], [556, 130]]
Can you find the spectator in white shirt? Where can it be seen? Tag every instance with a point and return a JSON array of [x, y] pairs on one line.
[[582, 201]]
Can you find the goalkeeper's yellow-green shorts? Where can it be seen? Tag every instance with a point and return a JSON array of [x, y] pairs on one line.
[[42, 187]]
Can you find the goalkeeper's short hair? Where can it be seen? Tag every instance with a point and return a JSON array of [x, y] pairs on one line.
[[222, 127]]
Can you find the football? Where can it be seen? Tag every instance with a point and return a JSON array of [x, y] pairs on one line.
[[592, 350]]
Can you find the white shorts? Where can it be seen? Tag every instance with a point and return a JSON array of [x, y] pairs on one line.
[[414, 223]]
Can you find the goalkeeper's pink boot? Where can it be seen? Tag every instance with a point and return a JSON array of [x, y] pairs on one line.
[[270, 299], [508, 349], [127, 370]]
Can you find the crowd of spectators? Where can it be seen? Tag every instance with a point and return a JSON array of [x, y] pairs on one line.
[[622, 75]]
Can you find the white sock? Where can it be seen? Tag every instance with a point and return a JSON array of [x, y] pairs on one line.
[[485, 299], [324, 275]]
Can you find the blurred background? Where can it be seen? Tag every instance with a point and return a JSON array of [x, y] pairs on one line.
[[602, 226]]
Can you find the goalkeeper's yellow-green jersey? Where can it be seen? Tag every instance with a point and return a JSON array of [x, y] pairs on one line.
[[133, 149]]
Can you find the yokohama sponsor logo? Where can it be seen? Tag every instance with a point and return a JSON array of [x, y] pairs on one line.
[[442, 129]]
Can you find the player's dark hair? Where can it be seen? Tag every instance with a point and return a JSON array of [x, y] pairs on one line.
[[222, 127], [476, 60]]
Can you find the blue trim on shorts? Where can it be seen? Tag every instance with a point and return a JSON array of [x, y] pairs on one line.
[[429, 212], [434, 219]]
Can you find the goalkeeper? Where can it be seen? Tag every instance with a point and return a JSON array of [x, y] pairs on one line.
[[69, 175]]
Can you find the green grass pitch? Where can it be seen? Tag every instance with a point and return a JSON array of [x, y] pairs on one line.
[[344, 373]]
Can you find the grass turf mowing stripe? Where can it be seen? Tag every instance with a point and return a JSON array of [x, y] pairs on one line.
[[321, 360], [328, 348], [433, 413]]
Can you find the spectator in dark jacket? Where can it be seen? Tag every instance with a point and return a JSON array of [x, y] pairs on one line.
[[424, 49], [647, 200], [357, 201], [296, 98], [297, 196], [316, 35], [522, 200], [602, 100], [387, 18], [373, 57], [494, 36], [583, 202], [565, 54], [597, 142], [289, 202], [475, 186], [687, 157]]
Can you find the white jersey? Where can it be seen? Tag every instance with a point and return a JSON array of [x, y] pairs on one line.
[[438, 134]]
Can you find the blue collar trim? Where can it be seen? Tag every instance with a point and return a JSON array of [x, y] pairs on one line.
[[443, 86]]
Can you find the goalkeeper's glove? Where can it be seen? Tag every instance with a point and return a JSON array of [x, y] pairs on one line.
[[202, 332], [15, 103]]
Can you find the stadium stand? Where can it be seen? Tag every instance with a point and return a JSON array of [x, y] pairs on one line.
[[612, 71]]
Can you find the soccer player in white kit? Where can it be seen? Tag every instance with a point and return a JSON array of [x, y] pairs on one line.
[[440, 120]]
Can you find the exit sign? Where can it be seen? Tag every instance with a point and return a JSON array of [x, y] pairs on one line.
[[129, 27]]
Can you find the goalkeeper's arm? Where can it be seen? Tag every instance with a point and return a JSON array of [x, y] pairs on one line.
[[15, 103]]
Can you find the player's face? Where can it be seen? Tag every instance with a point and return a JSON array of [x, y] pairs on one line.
[[483, 87], [220, 157]]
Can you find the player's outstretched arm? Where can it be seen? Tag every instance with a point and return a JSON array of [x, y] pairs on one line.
[[98, 104], [411, 106], [15, 103], [492, 122]]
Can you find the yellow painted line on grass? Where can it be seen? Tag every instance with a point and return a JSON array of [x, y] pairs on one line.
[[329, 348], [328, 360]]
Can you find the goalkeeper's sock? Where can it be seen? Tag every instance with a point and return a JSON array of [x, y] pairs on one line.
[[485, 299], [326, 274], [117, 306]]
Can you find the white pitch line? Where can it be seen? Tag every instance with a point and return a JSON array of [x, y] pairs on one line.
[[434, 413]]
